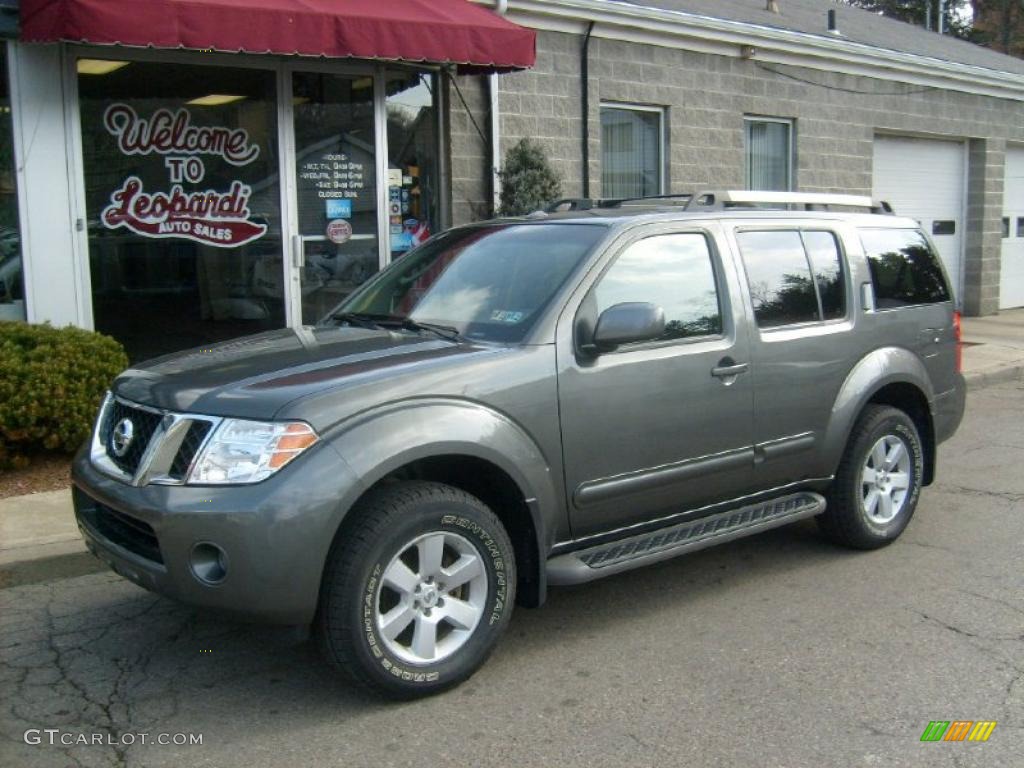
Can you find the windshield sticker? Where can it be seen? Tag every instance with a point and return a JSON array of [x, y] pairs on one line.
[[506, 316]]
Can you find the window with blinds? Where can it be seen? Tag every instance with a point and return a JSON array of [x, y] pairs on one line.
[[631, 151], [769, 154]]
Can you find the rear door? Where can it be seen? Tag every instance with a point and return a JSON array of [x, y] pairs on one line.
[[657, 428], [797, 290]]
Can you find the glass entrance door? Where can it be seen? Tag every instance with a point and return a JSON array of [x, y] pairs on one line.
[[335, 246]]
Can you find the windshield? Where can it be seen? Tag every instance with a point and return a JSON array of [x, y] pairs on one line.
[[489, 283]]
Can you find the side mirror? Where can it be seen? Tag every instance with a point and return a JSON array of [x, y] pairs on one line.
[[627, 323]]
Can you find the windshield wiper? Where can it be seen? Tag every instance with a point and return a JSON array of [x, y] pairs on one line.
[[446, 332], [357, 319]]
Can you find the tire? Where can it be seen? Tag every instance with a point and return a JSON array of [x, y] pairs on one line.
[[383, 576], [854, 516]]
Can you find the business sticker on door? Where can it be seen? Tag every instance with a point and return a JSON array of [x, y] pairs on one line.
[[339, 231], [339, 208], [216, 217]]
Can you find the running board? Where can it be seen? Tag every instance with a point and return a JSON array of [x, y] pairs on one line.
[[654, 546]]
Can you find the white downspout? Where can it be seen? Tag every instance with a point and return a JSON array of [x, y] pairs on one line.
[[501, 8]]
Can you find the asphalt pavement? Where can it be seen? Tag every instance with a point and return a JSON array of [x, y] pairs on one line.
[[779, 650]]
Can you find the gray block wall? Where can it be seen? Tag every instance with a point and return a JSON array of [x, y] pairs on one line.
[[705, 98]]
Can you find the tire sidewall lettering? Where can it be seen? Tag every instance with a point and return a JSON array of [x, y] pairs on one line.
[[489, 551]]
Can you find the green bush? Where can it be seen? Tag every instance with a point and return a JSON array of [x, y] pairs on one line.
[[52, 381], [528, 182]]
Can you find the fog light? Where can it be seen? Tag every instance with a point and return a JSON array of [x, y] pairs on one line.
[[209, 563]]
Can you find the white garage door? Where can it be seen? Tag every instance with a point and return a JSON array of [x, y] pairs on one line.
[[1011, 272], [924, 179]]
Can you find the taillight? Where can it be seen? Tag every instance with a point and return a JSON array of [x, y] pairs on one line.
[[958, 335]]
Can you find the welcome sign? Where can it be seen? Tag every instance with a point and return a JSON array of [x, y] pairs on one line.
[[212, 217]]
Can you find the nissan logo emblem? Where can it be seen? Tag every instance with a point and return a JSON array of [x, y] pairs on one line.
[[122, 436]]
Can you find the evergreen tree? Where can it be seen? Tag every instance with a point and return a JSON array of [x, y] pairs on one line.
[[528, 182]]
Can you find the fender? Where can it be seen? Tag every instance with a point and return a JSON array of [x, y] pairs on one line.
[[883, 366], [379, 441]]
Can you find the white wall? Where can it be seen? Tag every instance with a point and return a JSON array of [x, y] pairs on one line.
[[43, 157]]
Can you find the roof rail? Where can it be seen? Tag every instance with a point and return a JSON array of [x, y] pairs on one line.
[[808, 201], [585, 203]]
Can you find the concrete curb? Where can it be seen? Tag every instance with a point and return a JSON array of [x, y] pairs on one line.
[[982, 379]]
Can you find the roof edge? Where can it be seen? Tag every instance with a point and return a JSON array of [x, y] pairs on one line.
[[659, 26]]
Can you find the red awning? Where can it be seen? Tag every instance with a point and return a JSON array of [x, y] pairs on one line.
[[434, 31]]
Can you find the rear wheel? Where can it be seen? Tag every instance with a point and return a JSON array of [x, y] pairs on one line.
[[878, 481], [418, 589]]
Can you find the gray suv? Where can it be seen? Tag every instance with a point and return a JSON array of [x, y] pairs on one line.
[[533, 402]]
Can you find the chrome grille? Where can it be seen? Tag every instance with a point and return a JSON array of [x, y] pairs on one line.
[[163, 446], [145, 424], [190, 446]]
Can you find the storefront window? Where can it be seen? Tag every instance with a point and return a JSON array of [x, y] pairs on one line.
[[413, 192], [12, 296], [182, 195]]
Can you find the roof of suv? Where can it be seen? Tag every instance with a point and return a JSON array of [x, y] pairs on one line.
[[637, 213]]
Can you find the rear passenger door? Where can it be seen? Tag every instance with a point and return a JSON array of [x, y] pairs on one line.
[[799, 297]]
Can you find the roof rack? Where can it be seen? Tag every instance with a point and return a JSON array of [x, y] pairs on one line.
[[715, 200], [808, 201], [587, 204]]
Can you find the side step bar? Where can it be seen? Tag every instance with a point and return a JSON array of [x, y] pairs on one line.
[[654, 546]]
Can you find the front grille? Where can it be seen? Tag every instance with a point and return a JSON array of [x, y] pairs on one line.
[[144, 424], [121, 529], [194, 438]]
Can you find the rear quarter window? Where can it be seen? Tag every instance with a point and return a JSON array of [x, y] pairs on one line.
[[904, 269]]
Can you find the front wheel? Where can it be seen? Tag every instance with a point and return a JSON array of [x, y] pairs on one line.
[[878, 481], [418, 589]]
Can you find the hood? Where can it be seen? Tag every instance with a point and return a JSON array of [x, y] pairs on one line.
[[255, 376]]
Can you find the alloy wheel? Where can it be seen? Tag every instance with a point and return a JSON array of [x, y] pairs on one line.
[[431, 598], [885, 479]]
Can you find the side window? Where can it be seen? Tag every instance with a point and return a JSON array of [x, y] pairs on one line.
[[823, 251], [779, 276], [672, 271], [904, 269]]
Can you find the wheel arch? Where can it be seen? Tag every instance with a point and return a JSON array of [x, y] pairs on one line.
[[482, 452], [891, 376]]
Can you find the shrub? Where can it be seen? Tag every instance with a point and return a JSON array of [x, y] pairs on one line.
[[528, 182], [52, 381]]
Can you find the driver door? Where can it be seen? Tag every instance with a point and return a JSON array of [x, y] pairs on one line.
[[656, 428]]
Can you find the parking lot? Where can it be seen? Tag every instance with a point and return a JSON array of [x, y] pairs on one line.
[[779, 650]]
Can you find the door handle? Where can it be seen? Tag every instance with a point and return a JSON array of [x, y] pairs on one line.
[[727, 369]]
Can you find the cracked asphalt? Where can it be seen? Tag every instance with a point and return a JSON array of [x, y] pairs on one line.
[[779, 650]]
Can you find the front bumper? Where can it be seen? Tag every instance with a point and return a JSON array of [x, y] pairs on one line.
[[275, 535]]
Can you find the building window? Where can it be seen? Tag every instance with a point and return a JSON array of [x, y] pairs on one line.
[[413, 179], [183, 200], [632, 151], [769, 154], [12, 296]]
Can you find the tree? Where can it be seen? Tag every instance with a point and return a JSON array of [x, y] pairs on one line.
[[956, 19], [999, 24], [528, 182]]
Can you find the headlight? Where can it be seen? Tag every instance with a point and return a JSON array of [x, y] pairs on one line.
[[249, 451]]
